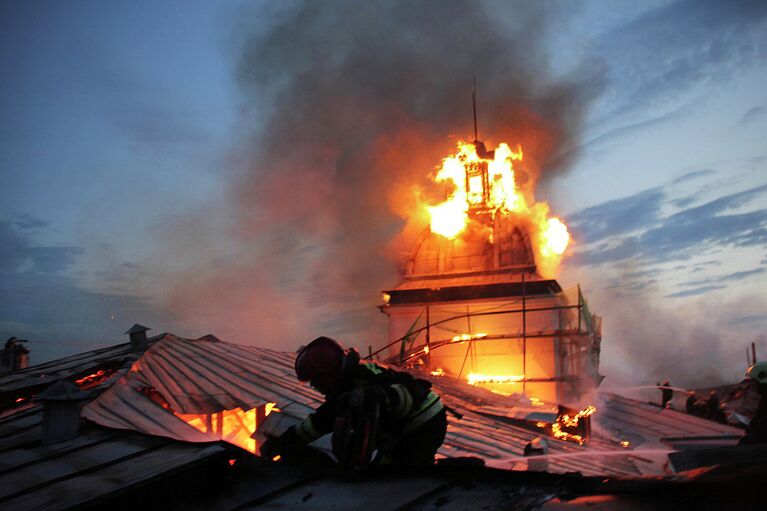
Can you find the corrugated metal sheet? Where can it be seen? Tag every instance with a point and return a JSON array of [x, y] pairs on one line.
[[198, 376]]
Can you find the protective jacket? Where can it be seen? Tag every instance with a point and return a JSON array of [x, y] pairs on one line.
[[409, 408]]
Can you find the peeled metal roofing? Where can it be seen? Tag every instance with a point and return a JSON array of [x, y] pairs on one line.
[[204, 376], [197, 377]]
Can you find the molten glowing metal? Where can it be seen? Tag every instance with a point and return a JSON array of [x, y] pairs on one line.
[[489, 186], [567, 421]]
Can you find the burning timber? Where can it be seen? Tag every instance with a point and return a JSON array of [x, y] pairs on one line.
[[473, 305]]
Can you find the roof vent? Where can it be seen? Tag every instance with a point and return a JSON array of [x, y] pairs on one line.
[[137, 335], [61, 411], [538, 448]]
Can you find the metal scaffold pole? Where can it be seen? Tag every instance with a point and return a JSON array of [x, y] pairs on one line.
[[524, 336]]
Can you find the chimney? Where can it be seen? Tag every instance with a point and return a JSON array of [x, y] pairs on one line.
[[14, 355], [137, 335], [61, 411]]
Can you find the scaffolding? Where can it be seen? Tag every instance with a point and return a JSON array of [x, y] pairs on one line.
[[576, 328]]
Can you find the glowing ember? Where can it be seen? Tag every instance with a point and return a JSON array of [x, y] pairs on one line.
[[94, 379], [489, 186], [474, 379], [567, 421], [438, 372], [625, 444]]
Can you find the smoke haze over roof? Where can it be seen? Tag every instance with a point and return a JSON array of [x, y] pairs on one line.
[[359, 104]]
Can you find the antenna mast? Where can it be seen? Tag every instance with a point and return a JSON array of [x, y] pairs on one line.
[[474, 104]]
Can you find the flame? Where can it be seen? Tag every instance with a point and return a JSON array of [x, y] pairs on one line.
[[468, 337], [565, 420], [234, 426], [474, 378], [489, 185], [438, 372], [94, 379], [625, 444]]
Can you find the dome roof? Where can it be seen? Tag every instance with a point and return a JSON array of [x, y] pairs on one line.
[[473, 251]]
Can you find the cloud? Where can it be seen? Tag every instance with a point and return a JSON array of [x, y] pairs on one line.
[[25, 222], [617, 217], [150, 124], [694, 292], [17, 253], [753, 115], [740, 275], [694, 175], [39, 301], [671, 237], [636, 127], [664, 53], [759, 320]]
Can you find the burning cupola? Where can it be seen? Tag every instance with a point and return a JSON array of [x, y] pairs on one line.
[[475, 303]]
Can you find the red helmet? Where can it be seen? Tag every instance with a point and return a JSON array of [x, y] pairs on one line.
[[321, 362]]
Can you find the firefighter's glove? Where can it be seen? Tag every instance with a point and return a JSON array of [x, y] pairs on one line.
[[278, 446]]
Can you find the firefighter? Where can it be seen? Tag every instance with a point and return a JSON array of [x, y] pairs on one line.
[[757, 429], [410, 421]]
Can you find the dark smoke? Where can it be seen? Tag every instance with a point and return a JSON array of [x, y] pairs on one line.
[[355, 104]]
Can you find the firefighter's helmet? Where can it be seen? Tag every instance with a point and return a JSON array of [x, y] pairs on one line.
[[758, 372], [321, 363]]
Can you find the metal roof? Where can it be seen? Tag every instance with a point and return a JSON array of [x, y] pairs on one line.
[[199, 376], [206, 374]]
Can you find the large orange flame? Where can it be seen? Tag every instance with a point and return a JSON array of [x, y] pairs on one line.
[[488, 185]]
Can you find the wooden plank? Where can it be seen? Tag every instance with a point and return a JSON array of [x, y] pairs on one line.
[[21, 438], [15, 458], [118, 476], [371, 494], [36, 475], [21, 424]]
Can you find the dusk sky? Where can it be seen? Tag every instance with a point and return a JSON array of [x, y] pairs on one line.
[[245, 169]]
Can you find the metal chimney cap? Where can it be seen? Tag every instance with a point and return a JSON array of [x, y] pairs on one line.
[[137, 328], [63, 390]]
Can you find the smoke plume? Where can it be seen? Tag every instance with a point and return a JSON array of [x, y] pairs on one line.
[[351, 106]]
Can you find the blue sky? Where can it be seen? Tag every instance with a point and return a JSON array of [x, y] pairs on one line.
[[148, 154]]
